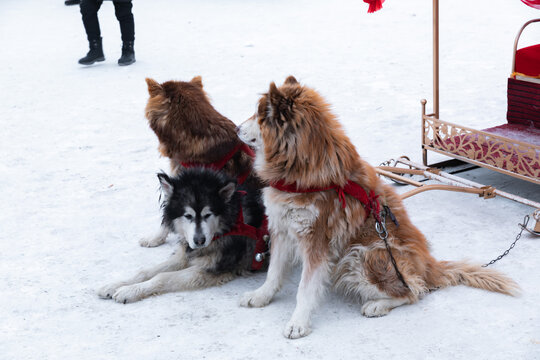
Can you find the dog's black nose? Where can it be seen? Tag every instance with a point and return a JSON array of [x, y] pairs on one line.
[[199, 239]]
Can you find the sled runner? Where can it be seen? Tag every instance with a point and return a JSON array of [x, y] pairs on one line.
[[512, 148]]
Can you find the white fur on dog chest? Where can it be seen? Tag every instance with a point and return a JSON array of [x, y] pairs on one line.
[[286, 216]]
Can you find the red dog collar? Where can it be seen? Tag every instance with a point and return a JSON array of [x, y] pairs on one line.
[[371, 205], [218, 165], [370, 201]]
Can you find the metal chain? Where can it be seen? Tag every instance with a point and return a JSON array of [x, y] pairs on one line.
[[388, 162], [523, 227]]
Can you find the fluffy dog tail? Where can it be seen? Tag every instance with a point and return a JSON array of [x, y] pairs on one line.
[[462, 273]]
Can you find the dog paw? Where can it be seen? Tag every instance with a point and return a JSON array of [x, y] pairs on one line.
[[128, 294], [375, 309], [151, 241], [254, 299], [295, 331], [107, 291]]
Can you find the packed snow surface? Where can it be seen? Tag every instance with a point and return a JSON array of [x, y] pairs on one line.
[[78, 164]]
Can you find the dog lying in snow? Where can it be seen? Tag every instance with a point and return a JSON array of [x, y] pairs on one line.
[[221, 227], [192, 133], [327, 208]]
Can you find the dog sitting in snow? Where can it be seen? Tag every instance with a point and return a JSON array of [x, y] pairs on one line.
[[327, 208], [221, 226], [192, 133]]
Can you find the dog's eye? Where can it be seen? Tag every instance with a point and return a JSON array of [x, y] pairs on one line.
[[188, 216], [207, 216]]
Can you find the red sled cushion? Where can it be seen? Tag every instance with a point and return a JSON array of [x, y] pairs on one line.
[[528, 61]]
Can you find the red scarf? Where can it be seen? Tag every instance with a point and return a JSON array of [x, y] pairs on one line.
[[370, 201], [218, 165], [242, 229], [375, 5]]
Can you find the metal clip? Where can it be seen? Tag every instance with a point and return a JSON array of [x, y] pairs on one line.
[[380, 227], [259, 257]]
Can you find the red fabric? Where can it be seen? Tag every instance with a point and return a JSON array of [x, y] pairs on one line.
[[523, 103], [242, 229], [374, 5], [532, 3], [218, 165], [528, 60], [370, 201]]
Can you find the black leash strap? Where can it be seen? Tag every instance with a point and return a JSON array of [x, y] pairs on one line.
[[380, 227]]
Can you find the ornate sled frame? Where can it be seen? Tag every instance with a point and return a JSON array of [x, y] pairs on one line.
[[487, 149], [482, 148], [505, 155]]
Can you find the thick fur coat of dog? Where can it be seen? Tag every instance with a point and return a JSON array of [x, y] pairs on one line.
[[191, 131], [202, 206], [300, 144]]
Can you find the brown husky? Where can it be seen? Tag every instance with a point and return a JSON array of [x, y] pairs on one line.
[[327, 208]]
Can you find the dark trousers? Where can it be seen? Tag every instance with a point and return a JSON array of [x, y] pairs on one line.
[[122, 10]]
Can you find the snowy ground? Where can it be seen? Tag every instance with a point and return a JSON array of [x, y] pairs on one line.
[[78, 163]]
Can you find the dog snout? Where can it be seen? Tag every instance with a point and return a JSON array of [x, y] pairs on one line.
[[246, 132], [199, 239]]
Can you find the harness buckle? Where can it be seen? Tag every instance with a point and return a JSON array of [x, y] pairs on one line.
[[259, 257], [380, 227]]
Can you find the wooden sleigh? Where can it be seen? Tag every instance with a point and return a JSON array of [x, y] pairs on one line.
[[512, 148]]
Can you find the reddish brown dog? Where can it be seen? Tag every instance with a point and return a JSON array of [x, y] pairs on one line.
[[189, 129], [317, 216]]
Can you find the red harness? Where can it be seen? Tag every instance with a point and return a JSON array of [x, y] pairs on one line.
[[242, 229], [370, 201], [218, 165], [371, 205]]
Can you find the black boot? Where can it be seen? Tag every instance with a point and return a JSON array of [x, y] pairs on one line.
[[95, 53], [128, 54]]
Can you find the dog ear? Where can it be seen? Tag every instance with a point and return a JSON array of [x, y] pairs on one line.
[[227, 191], [166, 184], [197, 80], [274, 95], [279, 107], [291, 80], [154, 88]]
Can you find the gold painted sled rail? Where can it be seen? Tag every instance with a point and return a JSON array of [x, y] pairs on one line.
[[448, 182]]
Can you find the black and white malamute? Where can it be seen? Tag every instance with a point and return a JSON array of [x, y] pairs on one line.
[[221, 228]]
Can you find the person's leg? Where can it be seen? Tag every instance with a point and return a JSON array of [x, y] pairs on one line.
[[122, 10], [124, 15], [89, 10]]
